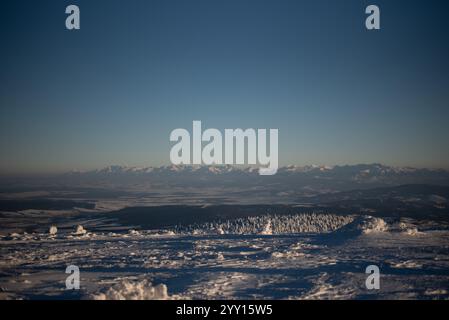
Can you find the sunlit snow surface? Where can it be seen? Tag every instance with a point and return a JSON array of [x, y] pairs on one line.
[[218, 262]]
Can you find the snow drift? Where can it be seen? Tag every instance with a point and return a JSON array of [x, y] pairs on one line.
[[365, 225], [138, 290]]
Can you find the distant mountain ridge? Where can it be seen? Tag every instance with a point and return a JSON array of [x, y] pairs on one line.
[[364, 169], [338, 178], [360, 171]]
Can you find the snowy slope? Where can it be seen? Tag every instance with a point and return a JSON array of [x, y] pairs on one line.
[[266, 262]]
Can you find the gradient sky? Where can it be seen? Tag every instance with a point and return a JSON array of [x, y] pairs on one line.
[[112, 92]]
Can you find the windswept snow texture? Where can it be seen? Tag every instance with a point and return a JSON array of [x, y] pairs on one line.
[[277, 257]]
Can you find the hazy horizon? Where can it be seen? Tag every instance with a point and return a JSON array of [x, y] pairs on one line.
[[112, 92], [89, 169]]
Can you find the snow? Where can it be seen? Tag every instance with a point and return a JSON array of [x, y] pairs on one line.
[[371, 224], [134, 232], [53, 230], [79, 231], [412, 232], [270, 224], [267, 230], [128, 290], [305, 257], [365, 225], [436, 292]]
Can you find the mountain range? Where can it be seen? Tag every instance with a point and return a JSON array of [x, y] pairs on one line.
[[347, 176]]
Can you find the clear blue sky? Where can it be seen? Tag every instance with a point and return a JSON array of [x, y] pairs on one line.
[[112, 92]]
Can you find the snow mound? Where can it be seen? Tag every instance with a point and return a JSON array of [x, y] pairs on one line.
[[270, 225], [365, 225], [79, 231], [407, 228], [267, 229], [134, 232], [412, 232], [53, 230], [139, 290], [372, 225]]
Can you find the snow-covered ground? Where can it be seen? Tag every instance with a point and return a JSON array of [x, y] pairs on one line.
[[294, 257]]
